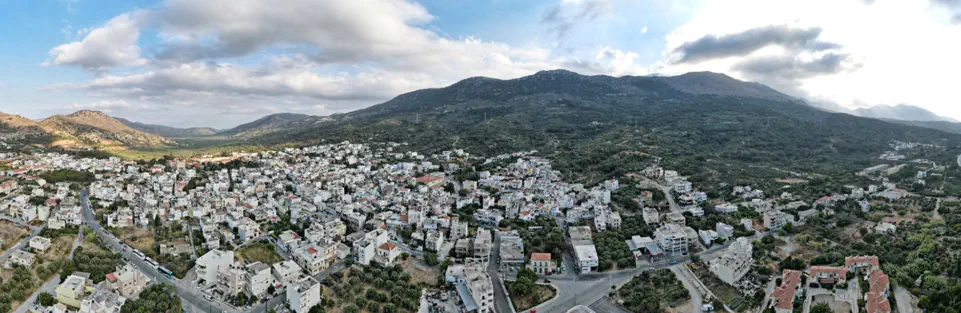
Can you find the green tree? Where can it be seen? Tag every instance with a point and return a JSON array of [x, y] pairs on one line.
[[821, 308], [46, 299]]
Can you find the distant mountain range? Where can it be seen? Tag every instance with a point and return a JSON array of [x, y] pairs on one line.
[[591, 126], [167, 131], [264, 125], [901, 112]]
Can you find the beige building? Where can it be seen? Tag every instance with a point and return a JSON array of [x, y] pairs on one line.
[[74, 289], [127, 281], [20, 257], [541, 263]]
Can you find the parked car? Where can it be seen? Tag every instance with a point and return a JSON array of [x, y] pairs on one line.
[[547, 281]]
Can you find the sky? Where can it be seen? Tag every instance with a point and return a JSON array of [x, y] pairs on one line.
[[220, 63]]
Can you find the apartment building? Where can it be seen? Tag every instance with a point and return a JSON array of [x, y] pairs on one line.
[[286, 272], [258, 278], [303, 294], [212, 262], [672, 239], [735, 263]]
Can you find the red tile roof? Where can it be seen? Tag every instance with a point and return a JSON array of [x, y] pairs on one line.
[[540, 256], [861, 260], [388, 246], [784, 294], [877, 303], [112, 277], [427, 179], [311, 250], [829, 272], [879, 282]]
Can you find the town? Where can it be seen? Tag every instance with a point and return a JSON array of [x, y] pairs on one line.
[[352, 227]]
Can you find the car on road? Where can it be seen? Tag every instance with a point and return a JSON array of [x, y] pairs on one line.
[[673, 262], [547, 281]]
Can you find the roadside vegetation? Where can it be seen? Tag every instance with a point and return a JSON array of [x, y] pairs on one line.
[[651, 290], [525, 293]]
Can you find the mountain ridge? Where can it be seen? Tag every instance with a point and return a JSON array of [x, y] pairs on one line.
[[903, 112], [588, 123], [262, 125], [168, 131], [98, 128]]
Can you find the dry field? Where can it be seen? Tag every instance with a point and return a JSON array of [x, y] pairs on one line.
[[10, 234]]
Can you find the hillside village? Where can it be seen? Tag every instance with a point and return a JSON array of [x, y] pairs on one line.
[[282, 230]]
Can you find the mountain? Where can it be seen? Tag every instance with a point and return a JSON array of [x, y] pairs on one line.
[[830, 107], [167, 131], [945, 126], [97, 128], [19, 123], [264, 125], [708, 83], [902, 112], [706, 125]]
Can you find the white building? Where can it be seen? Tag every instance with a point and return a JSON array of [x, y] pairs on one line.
[[286, 272], [303, 294], [724, 230], [682, 187], [214, 261], [259, 278], [473, 286], [735, 262], [775, 219], [586, 257], [672, 239]]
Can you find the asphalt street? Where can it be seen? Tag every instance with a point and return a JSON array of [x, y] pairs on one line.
[[192, 299]]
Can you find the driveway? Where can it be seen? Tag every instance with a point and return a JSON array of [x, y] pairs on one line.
[[905, 300]]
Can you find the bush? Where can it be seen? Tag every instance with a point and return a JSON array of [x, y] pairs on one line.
[[46, 299]]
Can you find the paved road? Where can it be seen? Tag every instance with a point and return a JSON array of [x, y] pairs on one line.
[[689, 284], [606, 306], [904, 299], [190, 296], [574, 289], [501, 304]]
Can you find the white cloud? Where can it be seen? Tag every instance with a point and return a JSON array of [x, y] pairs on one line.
[[114, 44], [354, 53], [99, 105], [644, 30], [912, 61]]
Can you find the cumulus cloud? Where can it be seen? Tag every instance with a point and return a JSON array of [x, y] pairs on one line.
[[329, 50], [194, 80], [102, 105], [785, 72], [339, 31], [561, 18], [114, 44], [794, 67], [742, 43], [952, 6]]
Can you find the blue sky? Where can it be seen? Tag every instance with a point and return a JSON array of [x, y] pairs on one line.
[[220, 63]]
